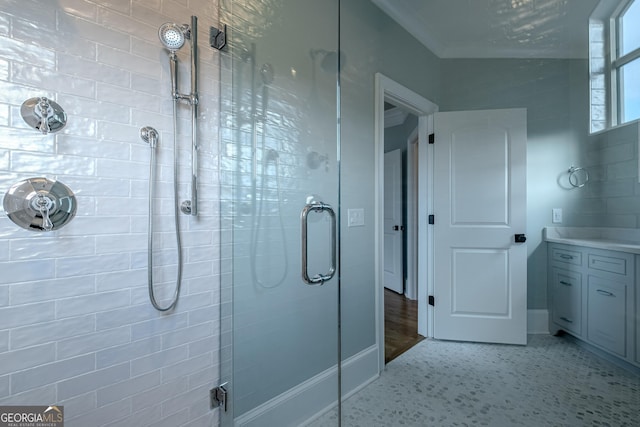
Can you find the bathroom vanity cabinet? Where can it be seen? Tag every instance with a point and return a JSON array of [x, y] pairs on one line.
[[594, 296]]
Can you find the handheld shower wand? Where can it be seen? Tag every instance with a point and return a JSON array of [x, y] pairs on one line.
[[151, 136], [172, 37]]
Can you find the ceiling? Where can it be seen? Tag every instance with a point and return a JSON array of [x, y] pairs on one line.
[[496, 28]]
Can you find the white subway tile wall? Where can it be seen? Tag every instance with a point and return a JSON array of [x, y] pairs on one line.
[[610, 199], [76, 325]]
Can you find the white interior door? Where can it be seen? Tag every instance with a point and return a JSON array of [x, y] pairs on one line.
[[393, 224], [480, 276]]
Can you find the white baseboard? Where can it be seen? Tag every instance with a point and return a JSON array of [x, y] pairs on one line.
[[314, 397], [538, 321]]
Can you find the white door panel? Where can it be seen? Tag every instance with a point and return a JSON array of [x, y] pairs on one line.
[[489, 295], [480, 204], [476, 168]]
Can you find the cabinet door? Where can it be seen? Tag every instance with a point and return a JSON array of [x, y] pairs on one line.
[[567, 299], [606, 314]]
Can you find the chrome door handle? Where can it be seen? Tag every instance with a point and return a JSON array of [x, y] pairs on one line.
[[317, 279]]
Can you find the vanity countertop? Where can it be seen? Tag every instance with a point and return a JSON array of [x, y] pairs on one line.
[[613, 239]]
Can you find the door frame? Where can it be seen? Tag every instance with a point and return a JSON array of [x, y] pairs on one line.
[[399, 95], [412, 196]]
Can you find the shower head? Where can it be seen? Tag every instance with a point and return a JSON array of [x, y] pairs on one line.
[[172, 36], [330, 61], [267, 73]]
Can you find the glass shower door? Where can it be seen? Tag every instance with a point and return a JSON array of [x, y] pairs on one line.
[[280, 195]]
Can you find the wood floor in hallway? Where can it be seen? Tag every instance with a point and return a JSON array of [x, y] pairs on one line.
[[400, 325]]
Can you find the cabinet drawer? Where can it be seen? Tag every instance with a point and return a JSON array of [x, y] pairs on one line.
[[611, 264], [606, 314], [567, 300], [566, 255]]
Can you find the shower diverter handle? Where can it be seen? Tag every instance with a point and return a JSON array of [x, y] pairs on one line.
[[317, 207]]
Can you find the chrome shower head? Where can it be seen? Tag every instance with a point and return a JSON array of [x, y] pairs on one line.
[[267, 73], [330, 60], [172, 36], [329, 63]]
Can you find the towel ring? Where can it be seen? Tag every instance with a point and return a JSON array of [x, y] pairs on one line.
[[575, 174]]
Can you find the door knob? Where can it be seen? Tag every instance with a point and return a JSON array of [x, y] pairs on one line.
[[398, 227], [520, 238]]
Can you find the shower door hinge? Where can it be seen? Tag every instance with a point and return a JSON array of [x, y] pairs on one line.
[[218, 38], [432, 138], [432, 300], [218, 397]]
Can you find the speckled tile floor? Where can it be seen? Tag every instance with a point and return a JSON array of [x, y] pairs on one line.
[[550, 382]]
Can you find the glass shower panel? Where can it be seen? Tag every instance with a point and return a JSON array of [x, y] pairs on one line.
[[280, 155]]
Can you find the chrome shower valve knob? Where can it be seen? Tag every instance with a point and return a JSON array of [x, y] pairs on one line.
[[44, 204], [43, 114], [40, 204]]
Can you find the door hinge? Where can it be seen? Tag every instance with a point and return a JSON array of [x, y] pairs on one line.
[[432, 300], [432, 138], [218, 37], [432, 219], [218, 397]]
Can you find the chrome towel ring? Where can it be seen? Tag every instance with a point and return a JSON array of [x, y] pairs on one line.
[[578, 177]]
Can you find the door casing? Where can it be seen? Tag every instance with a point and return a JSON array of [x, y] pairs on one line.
[[401, 96]]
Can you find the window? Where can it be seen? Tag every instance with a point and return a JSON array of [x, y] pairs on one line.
[[614, 44], [626, 64]]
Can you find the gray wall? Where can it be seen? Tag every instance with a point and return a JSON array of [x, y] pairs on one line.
[[371, 42], [555, 93]]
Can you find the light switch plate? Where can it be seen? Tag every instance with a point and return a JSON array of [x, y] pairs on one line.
[[355, 217], [556, 215]]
